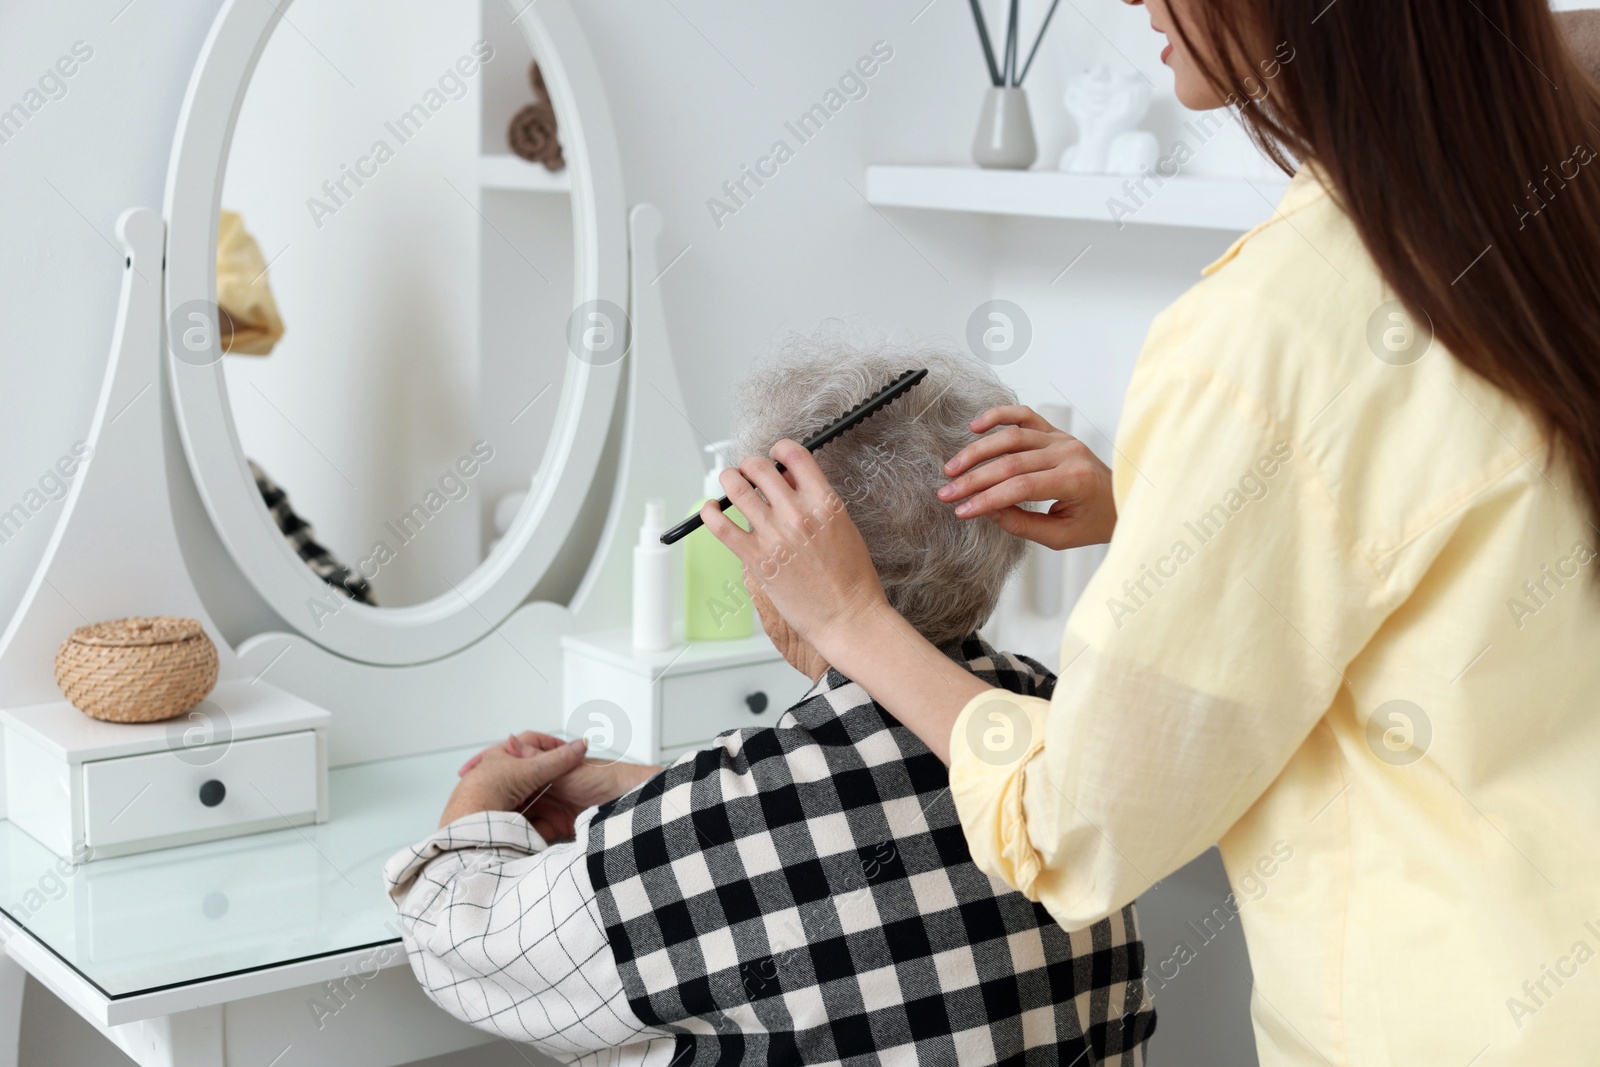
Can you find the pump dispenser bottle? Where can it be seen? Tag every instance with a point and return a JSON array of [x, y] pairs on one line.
[[716, 604], [652, 582]]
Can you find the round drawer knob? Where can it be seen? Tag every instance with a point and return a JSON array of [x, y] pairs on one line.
[[756, 702], [212, 792]]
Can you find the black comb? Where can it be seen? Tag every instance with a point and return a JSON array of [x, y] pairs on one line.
[[848, 421]]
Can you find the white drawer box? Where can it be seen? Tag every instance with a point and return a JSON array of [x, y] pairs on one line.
[[251, 758], [239, 786], [671, 701], [698, 706]]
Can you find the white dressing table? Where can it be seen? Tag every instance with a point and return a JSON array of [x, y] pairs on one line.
[[279, 949]]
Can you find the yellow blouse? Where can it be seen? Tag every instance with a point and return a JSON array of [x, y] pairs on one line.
[[1348, 626]]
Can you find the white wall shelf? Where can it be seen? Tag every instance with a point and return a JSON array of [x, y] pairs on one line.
[[501, 170], [1201, 203]]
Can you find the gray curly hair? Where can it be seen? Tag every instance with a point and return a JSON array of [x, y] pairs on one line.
[[942, 573]]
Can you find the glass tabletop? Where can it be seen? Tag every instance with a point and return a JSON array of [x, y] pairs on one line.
[[136, 924]]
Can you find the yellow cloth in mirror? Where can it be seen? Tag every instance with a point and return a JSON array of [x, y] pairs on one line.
[[248, 315]]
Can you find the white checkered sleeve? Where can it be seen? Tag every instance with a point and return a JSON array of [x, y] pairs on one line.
[[504, 933]]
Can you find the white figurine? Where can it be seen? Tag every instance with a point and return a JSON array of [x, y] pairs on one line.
[[1107, 107]]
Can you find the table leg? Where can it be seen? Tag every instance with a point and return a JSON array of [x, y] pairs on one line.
[[186, 1039], [12, 980]]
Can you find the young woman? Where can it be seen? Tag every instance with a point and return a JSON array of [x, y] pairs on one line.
[[1347, 619]]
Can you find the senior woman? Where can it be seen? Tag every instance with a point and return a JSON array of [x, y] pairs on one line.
[[793, 894]]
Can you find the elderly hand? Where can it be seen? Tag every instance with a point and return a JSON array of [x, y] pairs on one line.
[[554, 807], [590, 783], [497, 780], [802, 548], [1032, 460]]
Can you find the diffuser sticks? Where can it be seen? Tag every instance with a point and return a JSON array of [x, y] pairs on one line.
[[1008, 74]]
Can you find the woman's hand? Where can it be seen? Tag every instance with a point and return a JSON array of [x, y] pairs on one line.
[[553, 808], [802, 548], [810, 560], [1032, 460], [588, 784], [496, 780]]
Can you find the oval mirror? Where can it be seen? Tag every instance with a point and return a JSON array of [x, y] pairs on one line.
[[395, 325]]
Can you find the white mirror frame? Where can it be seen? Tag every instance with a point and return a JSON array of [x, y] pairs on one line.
[[446, 624]]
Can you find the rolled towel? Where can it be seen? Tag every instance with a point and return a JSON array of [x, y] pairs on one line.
[[533, 134]]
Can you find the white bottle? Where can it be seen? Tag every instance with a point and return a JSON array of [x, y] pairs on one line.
[[652, 582]]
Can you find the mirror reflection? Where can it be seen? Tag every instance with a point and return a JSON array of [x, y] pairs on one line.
[[394, 275]]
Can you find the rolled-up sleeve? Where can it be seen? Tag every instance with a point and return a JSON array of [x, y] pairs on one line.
[[504, 933], [988, 783], [1206, 647]]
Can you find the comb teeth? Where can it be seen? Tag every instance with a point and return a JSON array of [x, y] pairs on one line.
[[884, 399], [854, 417], [867, 408]]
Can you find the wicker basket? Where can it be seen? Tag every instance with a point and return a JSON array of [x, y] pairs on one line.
[[137, 670]]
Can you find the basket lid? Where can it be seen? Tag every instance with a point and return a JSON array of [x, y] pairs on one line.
[[137, 632]]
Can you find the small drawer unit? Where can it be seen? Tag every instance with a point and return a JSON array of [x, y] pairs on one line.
[[651, 707], [698, 705], [250, 758]]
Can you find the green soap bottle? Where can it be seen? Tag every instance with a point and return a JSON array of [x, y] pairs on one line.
[[716, 605]]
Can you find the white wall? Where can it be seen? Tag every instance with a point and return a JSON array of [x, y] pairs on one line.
[[807, 246], [697, 89]]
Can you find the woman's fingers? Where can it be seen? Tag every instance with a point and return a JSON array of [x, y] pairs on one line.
[[739, 541], [742, 495], [536, 772], [499, 781], [1011, 415], [786, 502], [519, 745], [802, 467], [1059, 528], [1015, 465], [802, 547], [536, 741], [996, 471], [477, 759], [998, 443], [759, 472], [1047, 530], [1008, 493]]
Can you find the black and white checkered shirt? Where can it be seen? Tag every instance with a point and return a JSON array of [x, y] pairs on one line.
[[795, 894]]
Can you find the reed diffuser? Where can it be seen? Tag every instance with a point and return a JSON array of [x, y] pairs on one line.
[[1005, 129]]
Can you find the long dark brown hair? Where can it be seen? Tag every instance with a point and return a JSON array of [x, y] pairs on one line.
[[1462, 137]]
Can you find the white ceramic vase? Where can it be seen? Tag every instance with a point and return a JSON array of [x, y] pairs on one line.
[[1005, 131]]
